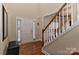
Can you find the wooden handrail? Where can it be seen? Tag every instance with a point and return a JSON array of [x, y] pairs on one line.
[[54, 17]]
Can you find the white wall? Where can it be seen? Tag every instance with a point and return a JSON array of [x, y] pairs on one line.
[[24, 10], [11, 27], [39, 28], [28, 10], [49, 8], [47, 19]]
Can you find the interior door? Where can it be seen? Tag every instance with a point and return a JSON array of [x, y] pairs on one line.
[[26, 28]]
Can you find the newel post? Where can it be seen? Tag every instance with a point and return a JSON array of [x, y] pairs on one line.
[[42, 37]]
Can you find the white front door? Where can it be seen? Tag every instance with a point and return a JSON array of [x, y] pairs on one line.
[[27, 30]]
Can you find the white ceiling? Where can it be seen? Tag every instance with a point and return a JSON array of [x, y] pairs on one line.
[[23, 9], [31, 10]]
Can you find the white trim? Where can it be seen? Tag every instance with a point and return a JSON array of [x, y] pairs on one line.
[[5, 50], [29, 42], [19, 18]]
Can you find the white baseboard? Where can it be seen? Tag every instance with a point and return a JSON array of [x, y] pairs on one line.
[[30, 41], [5, 50]]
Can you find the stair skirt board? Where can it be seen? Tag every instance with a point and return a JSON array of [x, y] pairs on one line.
[[55, 52], [70, 29], [45, 52]]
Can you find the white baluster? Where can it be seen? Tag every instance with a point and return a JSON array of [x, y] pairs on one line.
[[71, 14], [49, 34], [59, 25], [67, 24], [63, 28], [56, 24], [53, 30]]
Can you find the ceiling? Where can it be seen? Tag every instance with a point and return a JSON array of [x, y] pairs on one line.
[[30, 10], [23, 9]]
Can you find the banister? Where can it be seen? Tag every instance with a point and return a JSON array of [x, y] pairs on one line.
[[54, 17], [51, 22]]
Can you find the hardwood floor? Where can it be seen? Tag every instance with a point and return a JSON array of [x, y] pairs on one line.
[[33, 48]]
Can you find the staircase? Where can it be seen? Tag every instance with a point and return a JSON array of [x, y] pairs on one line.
[[56, 36]]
